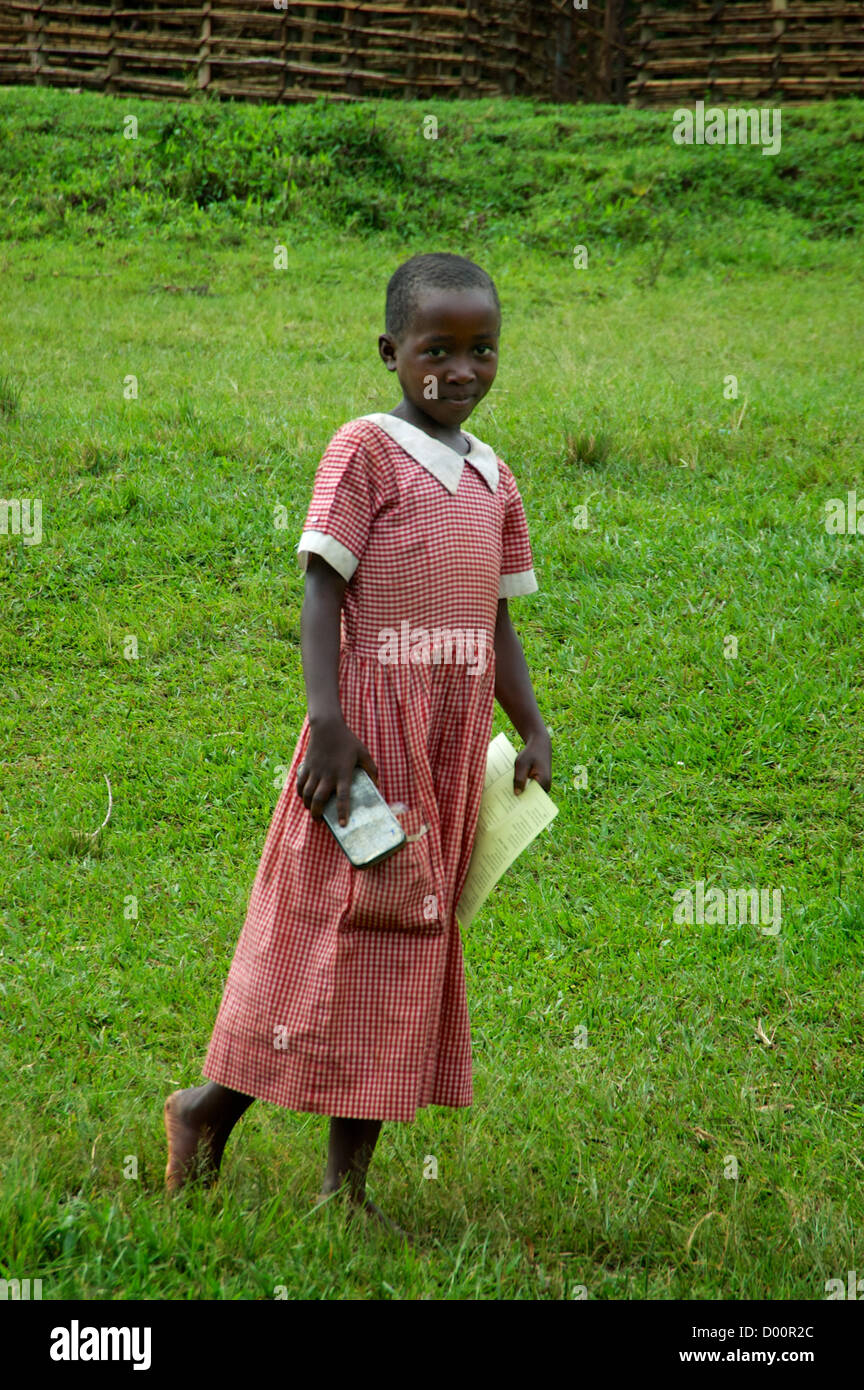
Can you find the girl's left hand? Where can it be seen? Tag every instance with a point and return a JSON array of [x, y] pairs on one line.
[[534, 761]]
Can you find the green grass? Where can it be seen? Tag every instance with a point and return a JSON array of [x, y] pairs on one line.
[[577, 1166], [508, 171]]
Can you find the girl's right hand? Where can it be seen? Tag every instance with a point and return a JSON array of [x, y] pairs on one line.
[[332, 754]]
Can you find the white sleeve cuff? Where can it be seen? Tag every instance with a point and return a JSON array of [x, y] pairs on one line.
[[525, 582], [331, 550]]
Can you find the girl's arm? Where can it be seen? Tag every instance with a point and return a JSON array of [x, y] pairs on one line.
[[515, 695], [332, 752]]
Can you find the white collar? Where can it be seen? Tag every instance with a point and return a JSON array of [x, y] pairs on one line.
[[441, 461]]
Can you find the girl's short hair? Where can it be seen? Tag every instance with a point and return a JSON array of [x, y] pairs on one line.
[[439, 270]]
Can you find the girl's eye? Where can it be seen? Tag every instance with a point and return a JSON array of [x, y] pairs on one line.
[[484, 348]]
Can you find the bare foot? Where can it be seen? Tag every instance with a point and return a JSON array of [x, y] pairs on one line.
[[369, 1209], [194, 1151], [378, 1217]]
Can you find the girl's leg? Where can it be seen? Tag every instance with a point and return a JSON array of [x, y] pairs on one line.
[[198, 1122], [349, 1151]]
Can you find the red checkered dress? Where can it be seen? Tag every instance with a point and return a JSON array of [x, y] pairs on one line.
[[346, 995]]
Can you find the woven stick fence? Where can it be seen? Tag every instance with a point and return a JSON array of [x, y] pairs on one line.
[[781, 50], [259, 50], [287, 50]]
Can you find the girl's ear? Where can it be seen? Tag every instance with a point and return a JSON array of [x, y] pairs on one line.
[[387, 347]]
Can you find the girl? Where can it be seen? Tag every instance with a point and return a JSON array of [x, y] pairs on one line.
[[346, 995]]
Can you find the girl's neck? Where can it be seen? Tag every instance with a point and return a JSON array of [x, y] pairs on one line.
[[454, 439]]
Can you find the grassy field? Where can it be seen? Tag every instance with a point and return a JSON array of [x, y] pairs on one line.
[[619, 1067]]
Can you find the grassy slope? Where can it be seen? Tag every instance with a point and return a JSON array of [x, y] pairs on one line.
[[576, 1166]]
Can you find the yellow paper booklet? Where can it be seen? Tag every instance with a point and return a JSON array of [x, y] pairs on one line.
[[506, 825]]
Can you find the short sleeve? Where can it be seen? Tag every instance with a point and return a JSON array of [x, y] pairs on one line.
[[517, 562], [342, 506]]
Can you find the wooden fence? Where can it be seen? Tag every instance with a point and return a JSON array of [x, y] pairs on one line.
[[289, 50], [777, 50]]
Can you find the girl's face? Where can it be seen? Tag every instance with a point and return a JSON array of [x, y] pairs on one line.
[[448, 356]]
